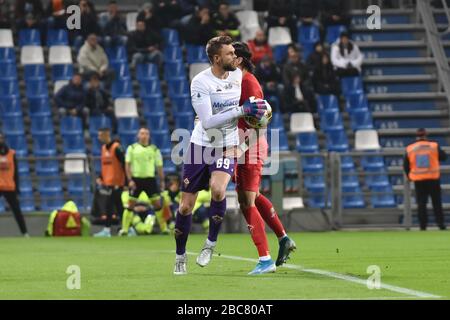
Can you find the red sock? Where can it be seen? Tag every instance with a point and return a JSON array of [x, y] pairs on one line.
[[257, 231], [269, 215]]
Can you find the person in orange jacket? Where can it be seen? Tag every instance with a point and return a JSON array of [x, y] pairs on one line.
[[421, 165], [9, 182]]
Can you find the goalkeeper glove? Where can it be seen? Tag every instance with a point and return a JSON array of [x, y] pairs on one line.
[[255, 108]]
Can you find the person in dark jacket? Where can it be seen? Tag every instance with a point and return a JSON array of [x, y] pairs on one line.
[[169, 11], [315, 58], [269, 75], [89, 23], [307, 10], [281, 14], [98, 101], [334, 12], [70, 99], [225, 22], [56, 14], [200, 28], [147, 14], [325, 79], [298, 97], [294, 66], [24, 7], [115, 28], [144, 45], [9, 182], [5, 14]]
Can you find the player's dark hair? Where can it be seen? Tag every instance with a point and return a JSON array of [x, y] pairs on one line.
[[242, 50], [215, 44]]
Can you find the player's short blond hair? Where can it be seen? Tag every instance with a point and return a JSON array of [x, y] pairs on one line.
[[215, 44]]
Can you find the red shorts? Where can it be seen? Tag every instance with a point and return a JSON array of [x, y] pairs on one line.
[[248, 177]]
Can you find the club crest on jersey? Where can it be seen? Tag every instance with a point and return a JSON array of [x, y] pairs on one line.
[[228, 86], [186, 182]]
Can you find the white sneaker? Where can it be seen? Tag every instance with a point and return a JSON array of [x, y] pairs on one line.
[[180, 265], [205, 255]]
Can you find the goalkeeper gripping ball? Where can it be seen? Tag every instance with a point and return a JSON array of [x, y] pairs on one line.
[[256, 123]]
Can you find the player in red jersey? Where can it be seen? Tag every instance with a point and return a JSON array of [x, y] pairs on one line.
[[255, 207]]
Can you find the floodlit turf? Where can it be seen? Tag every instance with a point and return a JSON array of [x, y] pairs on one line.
[[141, 267]]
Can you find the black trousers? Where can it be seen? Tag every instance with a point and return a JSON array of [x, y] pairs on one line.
[[111, 203], [424, 189], [13, 202]]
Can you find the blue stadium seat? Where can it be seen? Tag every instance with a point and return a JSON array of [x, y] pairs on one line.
[[83, 200], [274, 102], [382, 197], [184, 121], [34, 72], [361, 120], [37, 88], [347, 163], [351, 85], [349, 179], [77, 183], [25, 184], [24, 166], [372, 162], [71, 126], [47, 167], [162, 141], [178, 88], [331, 120], [333, 33], [18, 143], [13, 125], [29, 37], [308, 35], [277, 121], [117, 54], [314, 182], [157, 123], [356, 101], [153, 106], [173, 53], [377, 178], [50, 183], [122, 89], [147, 71], [51, 201], [327, 102], [182, 104], [196, 54], [44, 145], [7, 55], [121, 70], [74, 144], [307, 142], [316, 200], [10, 106], [98, 122], [39, 106], [174, 70], [27, 201], [312, 164], [281, 144], [353, 199], [42, 125], [170, 37], [9, 71], [169, 167], [127, 139], [150, 89], [128, 125], [57, 37], [9, 88], [280, 53], [62, 71], [96, 146], [337, 141]]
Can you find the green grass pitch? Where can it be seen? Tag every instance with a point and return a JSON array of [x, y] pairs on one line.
[[416, 263]]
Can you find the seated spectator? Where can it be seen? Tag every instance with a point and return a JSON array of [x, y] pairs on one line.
[[115, 28], [294, 66], [315, 58], [298, 97], [225, 22], [24, 7], [147, 14], [70, 99], [29, 22], [169, 11], [5, 14], [259, 47], [199, 28], [281, 14], [88, 21], [56, 13], [325, 80], [346, 57], [98, 101], [269, 75], [334, 12], [92, 59], [143, 45], [307, 10]]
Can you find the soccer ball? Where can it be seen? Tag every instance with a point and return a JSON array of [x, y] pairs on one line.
[[254, 123]]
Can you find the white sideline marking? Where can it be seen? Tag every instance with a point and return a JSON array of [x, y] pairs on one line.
[[335, 275]]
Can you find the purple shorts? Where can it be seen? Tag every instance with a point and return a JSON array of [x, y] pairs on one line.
[[199, 163]]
